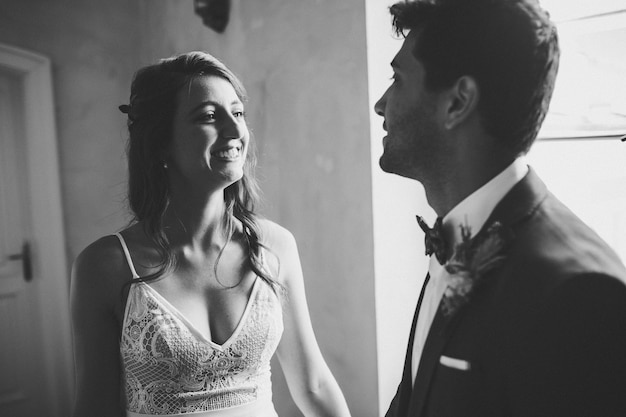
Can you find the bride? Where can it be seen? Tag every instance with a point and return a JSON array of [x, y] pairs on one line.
[[180, 313]]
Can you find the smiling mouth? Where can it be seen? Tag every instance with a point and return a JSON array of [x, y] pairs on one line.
[[230, 153]]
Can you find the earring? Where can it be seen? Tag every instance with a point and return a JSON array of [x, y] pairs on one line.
[[164, 163]]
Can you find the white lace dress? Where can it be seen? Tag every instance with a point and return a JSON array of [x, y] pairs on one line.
[[171, 369]]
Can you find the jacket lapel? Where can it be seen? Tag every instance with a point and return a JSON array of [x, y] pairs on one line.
[[517, 206], [520, 203], [406, 385], [439, 333]]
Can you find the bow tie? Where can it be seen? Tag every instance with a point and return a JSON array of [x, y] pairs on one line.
[[434, 240]]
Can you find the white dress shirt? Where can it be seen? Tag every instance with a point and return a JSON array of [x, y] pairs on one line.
[[473, 211]]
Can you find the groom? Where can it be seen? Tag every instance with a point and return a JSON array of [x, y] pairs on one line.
[[523, 312]]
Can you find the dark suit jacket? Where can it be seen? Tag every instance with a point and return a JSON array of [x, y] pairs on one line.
[[545, 334]]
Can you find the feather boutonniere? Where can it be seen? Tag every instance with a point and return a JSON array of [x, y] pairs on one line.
[[471, 260]]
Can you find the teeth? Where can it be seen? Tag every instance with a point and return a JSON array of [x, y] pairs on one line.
[[228, 154]]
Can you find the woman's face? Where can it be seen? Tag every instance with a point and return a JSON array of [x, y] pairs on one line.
[[210, 135]]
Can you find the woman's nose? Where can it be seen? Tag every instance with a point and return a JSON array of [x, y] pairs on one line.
[[233, 127]]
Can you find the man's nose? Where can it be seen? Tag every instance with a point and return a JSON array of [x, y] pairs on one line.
[[379, 107]]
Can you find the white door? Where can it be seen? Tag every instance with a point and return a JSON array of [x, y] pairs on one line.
[[20, 356], [35, 364]]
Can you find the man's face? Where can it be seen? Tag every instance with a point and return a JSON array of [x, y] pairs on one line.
[[413, 143]]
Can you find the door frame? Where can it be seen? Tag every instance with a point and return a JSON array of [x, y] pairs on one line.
[[50, 272]]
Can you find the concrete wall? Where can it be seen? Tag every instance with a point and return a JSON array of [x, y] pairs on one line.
[[91, 45], [304, 64]]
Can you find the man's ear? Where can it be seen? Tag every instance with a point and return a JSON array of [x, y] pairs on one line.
[[462, 101]]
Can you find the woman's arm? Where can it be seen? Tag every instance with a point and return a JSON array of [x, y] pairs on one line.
[[95, 284], [309, 379]]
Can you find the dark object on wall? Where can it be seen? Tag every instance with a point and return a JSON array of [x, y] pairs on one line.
[[214, 13]]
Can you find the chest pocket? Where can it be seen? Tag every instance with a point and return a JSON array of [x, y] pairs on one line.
[[455, 389]]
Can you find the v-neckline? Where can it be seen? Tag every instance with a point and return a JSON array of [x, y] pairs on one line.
[[176, 312]]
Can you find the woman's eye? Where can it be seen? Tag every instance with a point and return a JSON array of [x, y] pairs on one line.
[[239, 114], [208, 117]]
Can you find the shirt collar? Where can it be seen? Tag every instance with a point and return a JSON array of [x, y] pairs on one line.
[[476, 208]]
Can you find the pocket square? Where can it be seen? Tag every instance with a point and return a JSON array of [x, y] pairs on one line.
[[459, 364]]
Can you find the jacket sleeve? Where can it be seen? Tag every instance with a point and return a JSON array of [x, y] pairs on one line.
[[572, 362]]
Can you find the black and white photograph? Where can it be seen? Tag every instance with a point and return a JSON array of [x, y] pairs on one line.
[[320, 208]]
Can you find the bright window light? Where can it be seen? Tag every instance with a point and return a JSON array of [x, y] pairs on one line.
[[590, 93]]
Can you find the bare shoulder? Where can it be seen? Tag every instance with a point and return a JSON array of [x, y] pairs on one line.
[[100, 272], [102, 257], [283, 251], [276, 238]]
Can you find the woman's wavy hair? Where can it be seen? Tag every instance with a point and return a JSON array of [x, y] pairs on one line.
[[150, 124]]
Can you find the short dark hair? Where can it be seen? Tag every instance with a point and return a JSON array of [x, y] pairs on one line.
[[510, 47]]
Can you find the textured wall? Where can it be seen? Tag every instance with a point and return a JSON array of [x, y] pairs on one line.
[[91, 45], [304, 64]]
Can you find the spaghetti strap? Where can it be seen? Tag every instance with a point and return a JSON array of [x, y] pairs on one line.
[[127, 254]]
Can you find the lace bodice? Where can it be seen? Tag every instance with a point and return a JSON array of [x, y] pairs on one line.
[[170, 368]]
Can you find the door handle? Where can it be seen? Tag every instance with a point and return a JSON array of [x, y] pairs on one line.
[[25, 257]]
